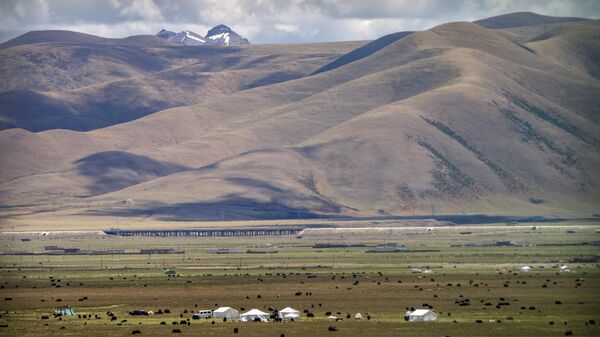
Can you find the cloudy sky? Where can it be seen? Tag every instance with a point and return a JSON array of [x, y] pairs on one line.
[[266, 21]]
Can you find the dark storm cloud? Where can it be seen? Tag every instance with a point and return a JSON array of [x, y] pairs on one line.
[[266, 21]]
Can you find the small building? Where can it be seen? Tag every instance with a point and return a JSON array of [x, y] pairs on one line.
[[289, 313], [226, 312], [255, 315], [64, 311], [170, 272], [422, 315]]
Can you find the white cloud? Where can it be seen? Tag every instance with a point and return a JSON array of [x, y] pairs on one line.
[[286, 28], [138, 9], [32, 10], [268, 21]]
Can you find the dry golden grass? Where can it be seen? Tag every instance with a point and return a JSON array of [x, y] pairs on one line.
[[344, 280], [457, 119]]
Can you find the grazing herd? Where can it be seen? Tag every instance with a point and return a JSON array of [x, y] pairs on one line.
[[421, 283]]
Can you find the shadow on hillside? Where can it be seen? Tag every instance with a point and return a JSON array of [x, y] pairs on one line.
[[115, 170], [364, 51], [232, 207], [277, 77]]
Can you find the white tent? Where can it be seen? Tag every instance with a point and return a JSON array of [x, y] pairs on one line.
[[526, 269], [64, 311], [254, 314], [289, 313], [565, 269], [422, 315], [225, 312], [358, 316]]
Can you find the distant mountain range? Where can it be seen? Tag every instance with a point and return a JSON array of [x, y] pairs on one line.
[[498, 116], [220, 35]]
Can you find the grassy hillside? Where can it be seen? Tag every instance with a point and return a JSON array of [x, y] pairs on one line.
[[83, 82], [456, 119]]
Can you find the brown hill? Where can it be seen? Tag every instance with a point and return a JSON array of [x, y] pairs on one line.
[[455, 119], [84, 82], [523, 19]]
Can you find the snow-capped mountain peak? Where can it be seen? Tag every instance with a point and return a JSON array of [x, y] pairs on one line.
[[220, 35], [189, 38], [186, 37], [224, 36], [217, 30]]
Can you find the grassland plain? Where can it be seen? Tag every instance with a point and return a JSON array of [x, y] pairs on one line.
[[342, 281]]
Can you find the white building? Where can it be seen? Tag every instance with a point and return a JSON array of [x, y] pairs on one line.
[[225, 312], [254, 315], [422, 315]]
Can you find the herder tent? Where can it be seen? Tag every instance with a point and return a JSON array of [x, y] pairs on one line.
[[289, 313], [422, 315], [226, 312], [526, 269], [358, 316], [254, 315], [64, 311]]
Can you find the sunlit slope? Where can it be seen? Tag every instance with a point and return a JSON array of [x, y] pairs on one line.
[[459, 118]]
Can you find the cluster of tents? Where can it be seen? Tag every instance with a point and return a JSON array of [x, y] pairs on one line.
[[254, 315], [563, 269]]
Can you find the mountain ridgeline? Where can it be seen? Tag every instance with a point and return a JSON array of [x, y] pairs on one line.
[[220, 35], [499, 116]]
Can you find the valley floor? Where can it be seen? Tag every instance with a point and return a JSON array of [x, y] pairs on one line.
[[502, 301]]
